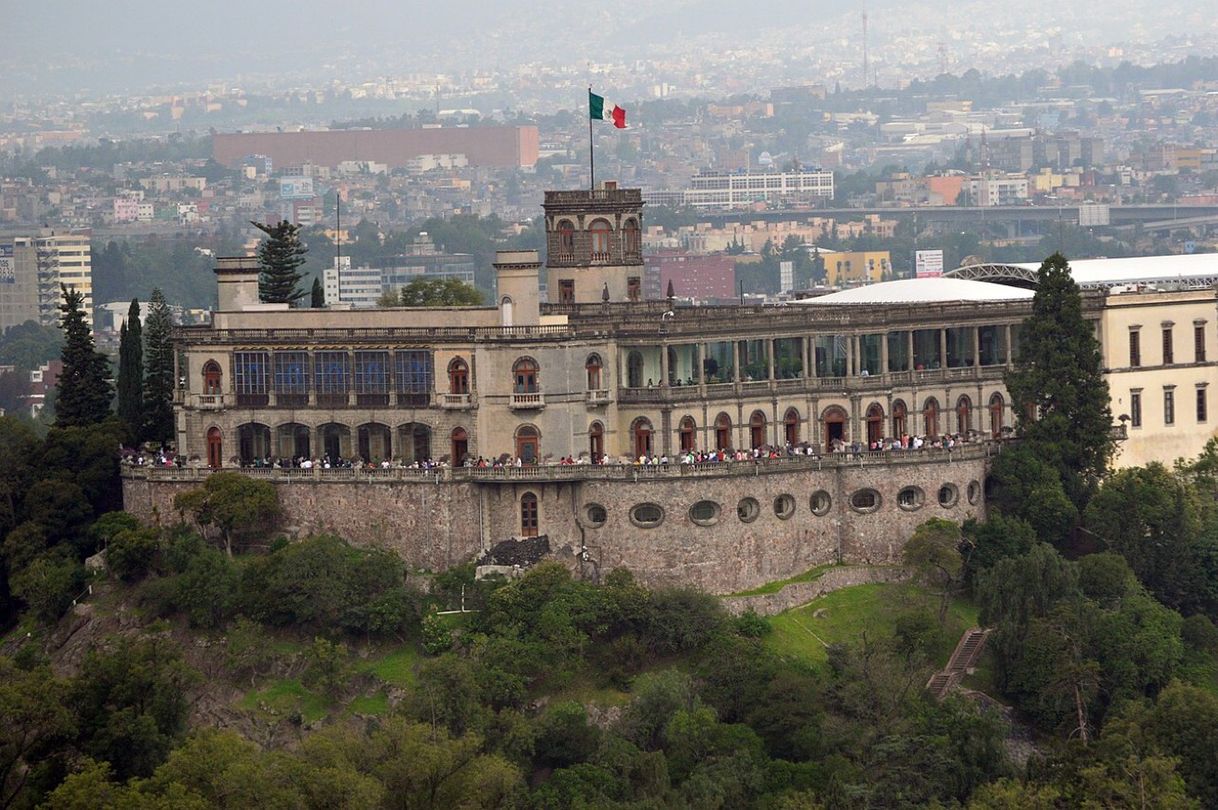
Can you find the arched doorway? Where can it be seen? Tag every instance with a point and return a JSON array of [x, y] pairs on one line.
[[596, 441], [634, 369], [835, 420], [212, 378], [930, 418], [900, 419], [593, 366], [375, 442], [790, 426], [600, 230], [723, 432], [642, 431], [997, 414], [757, 425], [525, 373], [293, 441], [964, 415], [875, 424], [458, 377], [528, 444], [335, 440], [414, 442], [687, 432], [254, 443], [459, 441], [215, 448], [528, 515]]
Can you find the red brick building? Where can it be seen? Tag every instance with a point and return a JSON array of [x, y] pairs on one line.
[[702, 277]]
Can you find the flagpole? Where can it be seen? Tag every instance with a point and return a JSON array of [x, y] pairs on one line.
[[591, 156]]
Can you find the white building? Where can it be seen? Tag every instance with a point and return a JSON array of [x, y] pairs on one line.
[[742, 188], [358, 287], [998, 188]]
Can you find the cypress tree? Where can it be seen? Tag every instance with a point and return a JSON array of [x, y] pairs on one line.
[[158, 371], [84, 391], [131, 371], [281, 254], [1057, 384], [317, 299]]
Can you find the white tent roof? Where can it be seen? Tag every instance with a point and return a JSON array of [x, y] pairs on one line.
[[1191, 270], [922, 290]]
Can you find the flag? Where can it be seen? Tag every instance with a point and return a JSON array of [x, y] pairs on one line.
[[602, 110]]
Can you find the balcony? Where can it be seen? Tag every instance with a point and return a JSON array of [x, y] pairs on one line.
[[209, 402], [455, 402], [596, 397], [534, 401]]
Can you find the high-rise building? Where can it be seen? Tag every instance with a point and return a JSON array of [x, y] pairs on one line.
[[32, 268]]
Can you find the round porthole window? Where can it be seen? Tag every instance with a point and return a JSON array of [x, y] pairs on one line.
[[948, 495], [974, 492], [910, 498], [748, 509], [596, 514], [784, 506], [821, 503], [865, 500], [704, 513], [646, 515]]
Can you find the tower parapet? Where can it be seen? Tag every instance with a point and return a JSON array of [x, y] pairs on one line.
[[594, 243]]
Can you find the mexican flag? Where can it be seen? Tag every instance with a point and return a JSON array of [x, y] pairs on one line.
[[602, 110]]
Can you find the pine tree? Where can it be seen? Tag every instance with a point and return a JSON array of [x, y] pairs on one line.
[[158, 371], [317, 298], [84, 391], [1057, 386], [131, 371], [281, 254]]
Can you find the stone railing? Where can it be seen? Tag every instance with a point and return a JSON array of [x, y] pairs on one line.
[[590, 472], [533, 401]]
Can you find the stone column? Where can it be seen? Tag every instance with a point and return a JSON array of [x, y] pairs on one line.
[[736, 375], [910, 363], [942, 348], [805, 343], [663, 364], [770, 344], [699, 377], [850, 355], [1010, 352], [884, 353], [976, 347]]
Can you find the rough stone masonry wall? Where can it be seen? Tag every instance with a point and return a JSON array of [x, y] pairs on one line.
[[436, 525]]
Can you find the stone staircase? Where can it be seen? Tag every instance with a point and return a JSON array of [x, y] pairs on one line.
[[963, 659]]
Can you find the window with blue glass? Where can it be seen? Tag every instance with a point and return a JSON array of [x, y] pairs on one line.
[[332, 373], [251, 378], [292, 379], [372, 378], [413, 377]]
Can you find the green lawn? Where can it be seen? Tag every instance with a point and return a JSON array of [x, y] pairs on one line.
[[395, 668], [372, 705], [779, 584], [846, 614], [285, 697]]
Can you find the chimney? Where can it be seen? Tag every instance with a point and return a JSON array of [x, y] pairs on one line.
[[516, 274], [237, 282]]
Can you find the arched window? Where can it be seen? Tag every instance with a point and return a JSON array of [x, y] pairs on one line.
[[414, 442], [688, 430], [335, 440], [723, 432], [900, 419], [600, 230], [215, 448], [634, 369], [459, 441], [596, 441], [524, 375], [254, 443], [594, 366], [375, 442], [458, 377], [631, 243], [875, 423], [757, 425], [790, 426], [566, 238], [528, 444], [835, 420], [293, 441], [930, 417], [212, 378], [997, 414], [964, 415], [528, 515], [641, 430]]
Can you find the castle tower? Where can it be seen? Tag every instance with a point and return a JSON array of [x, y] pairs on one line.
[[594, 243]]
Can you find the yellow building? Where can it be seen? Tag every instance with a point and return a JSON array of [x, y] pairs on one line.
[[856, 267]]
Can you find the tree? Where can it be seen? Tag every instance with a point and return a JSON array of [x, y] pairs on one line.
[[317, 297], [438, 292], [33, 721], [237, 505], [934, 553], [84, 390], [158, 371], [131, 371], [1057, 386], [281, 255]]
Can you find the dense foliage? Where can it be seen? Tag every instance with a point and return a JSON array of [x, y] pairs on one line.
[[158, 371], [434, 292], [83, 392], [281, 255], [131, 371]]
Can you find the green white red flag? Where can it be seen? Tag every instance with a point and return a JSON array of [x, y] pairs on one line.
[[601, 110]]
